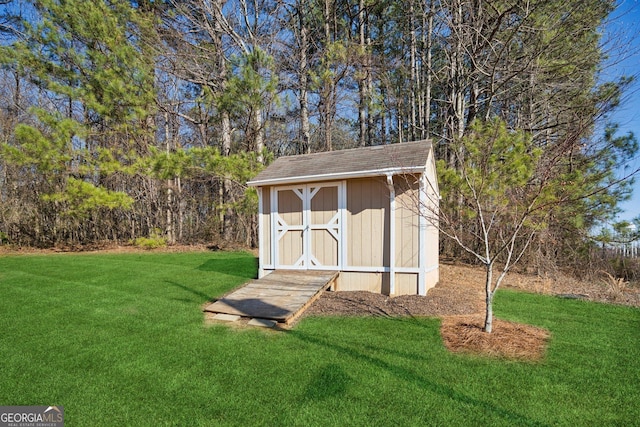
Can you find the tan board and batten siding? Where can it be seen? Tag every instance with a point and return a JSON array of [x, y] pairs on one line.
[[365, 212]]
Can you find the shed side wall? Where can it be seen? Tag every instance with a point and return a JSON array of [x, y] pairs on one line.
[[407, 221], [406, 284], [361, 281]]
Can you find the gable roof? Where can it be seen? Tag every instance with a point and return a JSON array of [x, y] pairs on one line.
[[406, 157]]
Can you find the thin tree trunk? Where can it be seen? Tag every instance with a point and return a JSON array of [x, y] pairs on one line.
[[414, 74], [305, 128], [169, 225], [225, 196], [225, 212], [258, 135], [383, 116], [455, 120], [428, 77], [369, 81], [362, 81], [180, 209], [330, 89], [488, 319]]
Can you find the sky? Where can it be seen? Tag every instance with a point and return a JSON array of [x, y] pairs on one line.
[[623, 30]]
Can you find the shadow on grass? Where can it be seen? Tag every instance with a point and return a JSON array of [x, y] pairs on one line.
[[411, 376], [244, 266], [190, 290]]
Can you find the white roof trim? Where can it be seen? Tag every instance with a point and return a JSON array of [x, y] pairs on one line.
[[338, 176]]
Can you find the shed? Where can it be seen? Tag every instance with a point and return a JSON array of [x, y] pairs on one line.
[[365, 212]]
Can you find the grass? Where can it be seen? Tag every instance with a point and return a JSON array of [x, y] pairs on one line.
[[120, 340]]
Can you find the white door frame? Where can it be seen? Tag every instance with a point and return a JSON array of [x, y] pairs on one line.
[[336, 226]]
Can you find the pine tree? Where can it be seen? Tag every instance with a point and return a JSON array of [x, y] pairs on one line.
[[87, 56]]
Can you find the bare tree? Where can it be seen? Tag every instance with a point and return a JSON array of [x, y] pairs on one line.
[[502, 191]]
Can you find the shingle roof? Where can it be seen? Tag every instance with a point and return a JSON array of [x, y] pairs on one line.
[[357, 162]]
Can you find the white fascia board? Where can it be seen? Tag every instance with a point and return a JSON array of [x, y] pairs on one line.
[[260, 236], [337, 176]]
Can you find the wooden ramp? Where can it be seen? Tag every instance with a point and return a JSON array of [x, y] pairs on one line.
[[280, 296]]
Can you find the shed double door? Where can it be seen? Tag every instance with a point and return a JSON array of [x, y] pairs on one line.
[[309, 226]]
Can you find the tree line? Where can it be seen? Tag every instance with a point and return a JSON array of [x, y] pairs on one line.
[[127, 119]]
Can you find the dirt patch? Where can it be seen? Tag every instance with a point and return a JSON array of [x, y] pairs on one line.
[[600, 289], [113, 248]]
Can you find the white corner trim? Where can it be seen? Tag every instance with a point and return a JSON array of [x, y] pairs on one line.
[[392, 234], [260, 235], [342, 210], [422, 235], [274, 226]]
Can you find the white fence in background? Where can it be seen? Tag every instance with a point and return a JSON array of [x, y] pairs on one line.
[[626, 250]]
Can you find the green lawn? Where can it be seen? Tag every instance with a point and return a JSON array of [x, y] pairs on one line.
[[119, 340]]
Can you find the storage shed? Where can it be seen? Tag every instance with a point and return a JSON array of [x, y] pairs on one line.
[[365, 212]]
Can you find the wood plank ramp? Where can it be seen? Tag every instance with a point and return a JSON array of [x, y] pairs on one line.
[[282, 295]]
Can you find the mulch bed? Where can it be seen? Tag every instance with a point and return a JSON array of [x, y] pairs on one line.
[[508, 339], [459, 300], [459, 292]]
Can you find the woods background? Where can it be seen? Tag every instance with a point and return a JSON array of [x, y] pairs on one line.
[[125, 120]]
